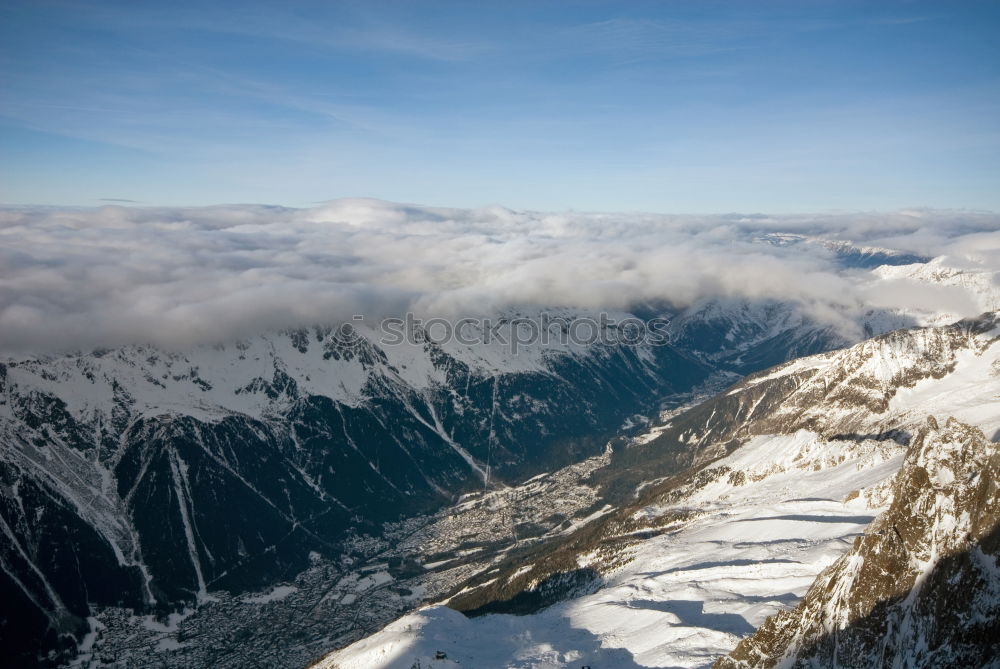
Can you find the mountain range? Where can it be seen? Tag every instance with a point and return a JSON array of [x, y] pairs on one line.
[[267, 501]]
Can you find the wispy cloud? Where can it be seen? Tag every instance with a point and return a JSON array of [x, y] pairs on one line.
[[899, 20], [637, 39], [340, 26], [669, 106]]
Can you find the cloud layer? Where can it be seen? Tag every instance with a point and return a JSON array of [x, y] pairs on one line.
[[77, 279]]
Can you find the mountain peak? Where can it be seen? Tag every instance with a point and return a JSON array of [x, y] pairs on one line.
[[891, 599]]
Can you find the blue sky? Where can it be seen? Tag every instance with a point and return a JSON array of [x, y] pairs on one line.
[[656, 106]]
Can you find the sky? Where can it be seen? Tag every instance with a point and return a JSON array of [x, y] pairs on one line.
[[665, 106]]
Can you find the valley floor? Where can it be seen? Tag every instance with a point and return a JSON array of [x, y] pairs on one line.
[[681, 572], [687, 596]]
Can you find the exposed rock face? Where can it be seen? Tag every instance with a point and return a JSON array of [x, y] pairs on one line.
[[842, 396], [921, 587], [855, 404], [144, 479], [148, 480], [853, 393]]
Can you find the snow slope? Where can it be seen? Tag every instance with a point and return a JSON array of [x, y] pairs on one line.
[[752, 537], [950, 288], [142, 478], [686, 596], [118, 467], [920, 588]]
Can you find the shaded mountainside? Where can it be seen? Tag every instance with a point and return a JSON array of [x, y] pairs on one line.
[[147, 480], [849, 393], [841, 396], [143, 479], [728, 511], [921, 586]]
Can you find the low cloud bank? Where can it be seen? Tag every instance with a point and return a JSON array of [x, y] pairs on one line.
[[75, 279]]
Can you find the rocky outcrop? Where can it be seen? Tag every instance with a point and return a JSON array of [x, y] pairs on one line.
[[145, 479], [162, 477], [921, 587], [840, 394]]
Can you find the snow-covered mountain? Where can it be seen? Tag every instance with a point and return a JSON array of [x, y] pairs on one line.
[[120, 466], [949, 292], [920, 587], [726, 514], [139, 478], [151, 497]]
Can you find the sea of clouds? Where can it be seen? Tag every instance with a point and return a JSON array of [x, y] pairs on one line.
[[75, 279]]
